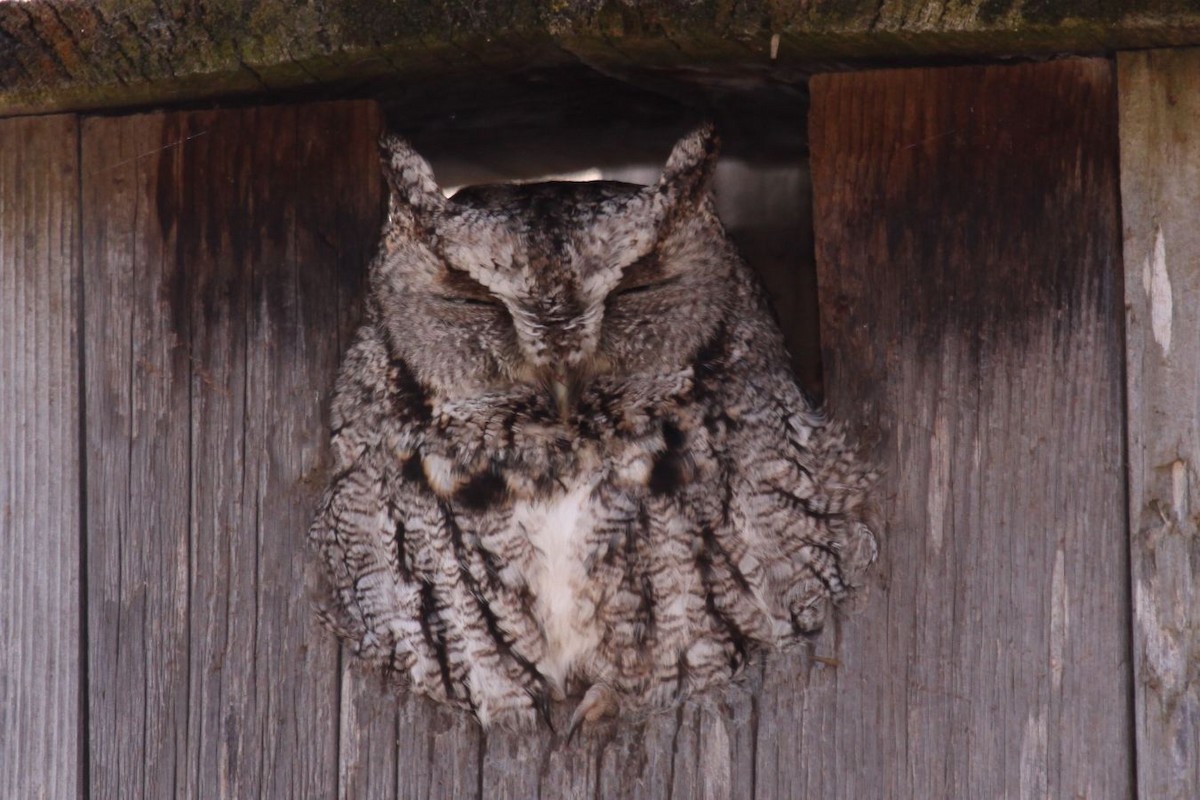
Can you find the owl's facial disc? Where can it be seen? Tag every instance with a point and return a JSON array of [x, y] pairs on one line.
[[551, 286], [558, 342]]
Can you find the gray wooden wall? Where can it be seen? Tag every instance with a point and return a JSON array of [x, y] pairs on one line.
[[175, 292]]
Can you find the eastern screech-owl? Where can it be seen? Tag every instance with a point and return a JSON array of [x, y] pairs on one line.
[[570, 457]]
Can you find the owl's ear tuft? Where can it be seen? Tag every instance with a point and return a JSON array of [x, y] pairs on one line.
[[687, 178], [409, 177]]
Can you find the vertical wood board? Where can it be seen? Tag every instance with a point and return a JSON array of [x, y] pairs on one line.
[[699, 750], [1160, 190], [137, 399], [969, 265], [214, 266], [40, 539]]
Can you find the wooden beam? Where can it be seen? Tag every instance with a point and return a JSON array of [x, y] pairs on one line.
[[969, 266], [40, 537], [68, 54], [1160, 193]]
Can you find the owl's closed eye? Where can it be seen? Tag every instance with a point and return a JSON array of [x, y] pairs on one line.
[[570, 458]]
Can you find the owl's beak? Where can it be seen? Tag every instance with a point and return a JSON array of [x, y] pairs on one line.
[[564, 387], [561, 394]]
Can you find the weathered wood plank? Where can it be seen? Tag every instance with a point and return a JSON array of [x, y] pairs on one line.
[[369, 736], [702, 750], [137, 404], [263, 691], [212, 321], [438, 752], [1160, 193], [40, 539], [969, 265]]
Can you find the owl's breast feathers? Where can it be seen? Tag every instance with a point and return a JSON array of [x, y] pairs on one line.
[[490, 449], [497, 555]]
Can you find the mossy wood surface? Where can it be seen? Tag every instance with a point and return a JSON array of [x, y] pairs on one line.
[[85, 54]]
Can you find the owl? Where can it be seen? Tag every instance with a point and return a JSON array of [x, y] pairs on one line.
[[570, 459]]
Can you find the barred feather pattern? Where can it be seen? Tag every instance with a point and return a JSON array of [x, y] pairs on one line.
[[499, 548]]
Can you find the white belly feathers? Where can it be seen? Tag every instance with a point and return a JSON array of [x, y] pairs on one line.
[[558, 528]]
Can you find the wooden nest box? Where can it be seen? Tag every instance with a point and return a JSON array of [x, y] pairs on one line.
[[979, 225]]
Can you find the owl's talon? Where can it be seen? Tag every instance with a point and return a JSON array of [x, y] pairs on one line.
[[541, 703], [599, 702]]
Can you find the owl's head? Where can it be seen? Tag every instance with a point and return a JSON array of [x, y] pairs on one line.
[[551, 283]]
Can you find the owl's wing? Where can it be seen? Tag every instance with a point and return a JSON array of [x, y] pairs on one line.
[[683, 595], [799, 488], [359, 525], [803, 491], [413, 590]]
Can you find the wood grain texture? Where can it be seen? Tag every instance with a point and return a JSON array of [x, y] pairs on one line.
[[138, 397], [1160, 191], [40, 539], [969, 265], [697, 751], [214, 266]]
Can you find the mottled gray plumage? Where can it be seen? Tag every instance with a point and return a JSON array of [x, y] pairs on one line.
[[570, 458]]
